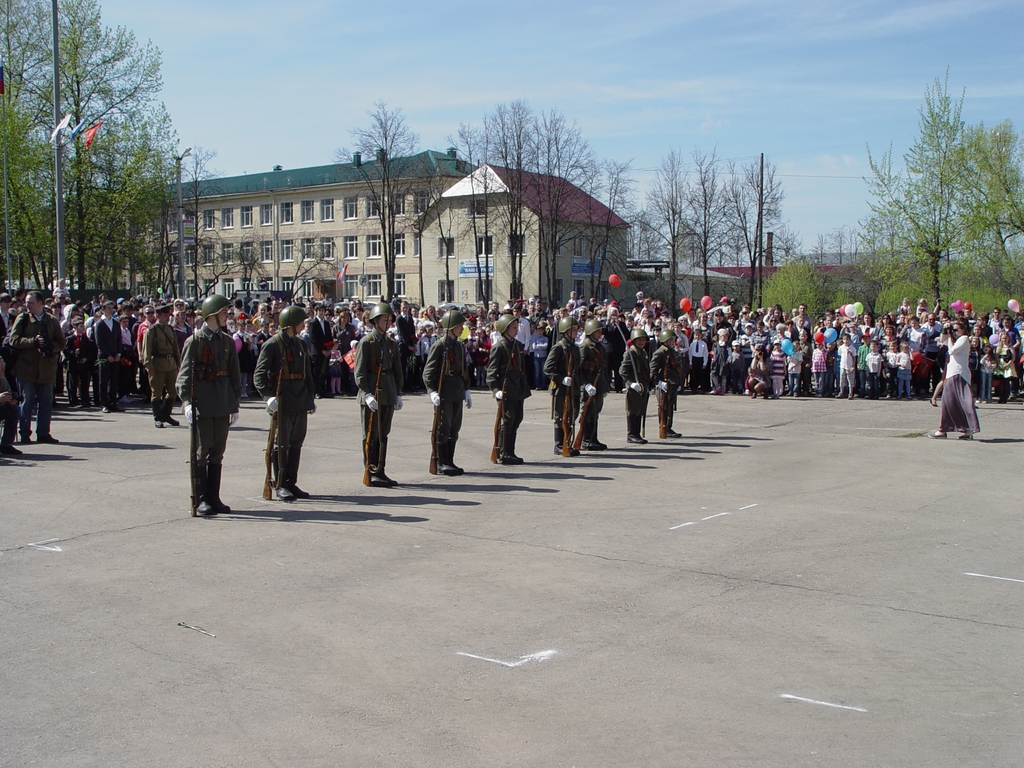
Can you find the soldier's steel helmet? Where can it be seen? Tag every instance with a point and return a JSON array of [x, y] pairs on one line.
[[381, 309], [451, 318], [505, 321], [638, 333], [667, 335], [292, 317], [566, 324], [213, 305], [593, 326]]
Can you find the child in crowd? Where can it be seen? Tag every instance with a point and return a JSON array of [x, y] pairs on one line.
[[819, 367], [903, 372], [846, 359], [737, 367], [777, 367], [334, 370], [794, 367], [874, 369], [987, 366]]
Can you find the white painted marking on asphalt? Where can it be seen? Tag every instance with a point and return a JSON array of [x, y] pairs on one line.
[[681, 525], [822, 703], [39, 545], [539, 656], [747, 507], [709, 517], [997, 578]]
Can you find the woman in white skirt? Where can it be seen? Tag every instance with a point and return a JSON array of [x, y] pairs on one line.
[[958, 412]]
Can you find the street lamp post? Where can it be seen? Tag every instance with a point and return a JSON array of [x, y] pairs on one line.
[[181, 226]]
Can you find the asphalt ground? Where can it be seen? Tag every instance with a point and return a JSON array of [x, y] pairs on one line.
[[793, 583]]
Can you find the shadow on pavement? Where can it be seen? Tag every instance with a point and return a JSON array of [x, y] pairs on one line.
[[398, 500], [1000, 440], [298, 513], [473, 487], [121, 446]]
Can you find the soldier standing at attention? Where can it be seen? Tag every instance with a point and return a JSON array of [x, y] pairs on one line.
[[667, 371], [562, 369], [284, 378], [161, 359], [593, 379], [210, 386], [636, 373], [446, 379], [506, 378], [378, 375]]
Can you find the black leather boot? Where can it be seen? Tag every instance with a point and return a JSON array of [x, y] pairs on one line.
[[168, 407], [203, 506], [158, 414], [213, 472], [451, 458], [283, 492], [292, 474]]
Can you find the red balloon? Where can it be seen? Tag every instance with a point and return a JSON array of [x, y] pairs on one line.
[[685, 304], [968, 305], [706, 303], [614, 281], [819, 337]]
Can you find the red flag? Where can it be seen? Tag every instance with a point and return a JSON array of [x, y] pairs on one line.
[[90, 133]]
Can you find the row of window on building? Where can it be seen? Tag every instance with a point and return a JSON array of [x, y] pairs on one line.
[[350, 207], [312, 249]]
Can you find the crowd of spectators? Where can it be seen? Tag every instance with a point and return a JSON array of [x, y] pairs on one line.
[[90, 356]]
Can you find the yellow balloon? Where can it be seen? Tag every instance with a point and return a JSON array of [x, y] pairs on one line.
[[465, 333]]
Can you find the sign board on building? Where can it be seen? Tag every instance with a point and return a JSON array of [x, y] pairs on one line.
[[468, 267], [586, 267], [188, 227]]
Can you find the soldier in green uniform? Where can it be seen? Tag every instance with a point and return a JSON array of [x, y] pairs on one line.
[[636, 372], [506, 378], [161, 358], [446, 379], [562, 368], [378, 375], [210, 387], [284, 377], [667, 372], [594, 382]]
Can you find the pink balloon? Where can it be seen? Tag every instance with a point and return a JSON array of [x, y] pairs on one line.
[[238, 344], [1013, 305], [706, 302], [994, 339], [957, 305], [841, 310]]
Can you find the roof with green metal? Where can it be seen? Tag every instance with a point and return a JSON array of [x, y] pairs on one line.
[[423, 164]]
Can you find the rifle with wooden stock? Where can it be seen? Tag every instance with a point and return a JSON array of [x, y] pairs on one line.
[[272, 450], [193, 430], [662, 414], [370, 425], [578, 442]]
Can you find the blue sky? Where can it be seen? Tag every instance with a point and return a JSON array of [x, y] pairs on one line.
[[810, 84]]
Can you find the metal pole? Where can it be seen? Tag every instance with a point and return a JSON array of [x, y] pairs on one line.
[[58, 169], [7, 224], [181, 236]]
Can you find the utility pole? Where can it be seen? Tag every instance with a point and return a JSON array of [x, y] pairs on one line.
[[57, 165], [181, 226], [8, 283], [758, 249]]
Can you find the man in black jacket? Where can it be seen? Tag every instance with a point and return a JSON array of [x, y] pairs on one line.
[[320, 333], [406, 325], [108, 345]]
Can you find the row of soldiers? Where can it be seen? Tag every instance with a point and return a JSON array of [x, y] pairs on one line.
[[208, 384]]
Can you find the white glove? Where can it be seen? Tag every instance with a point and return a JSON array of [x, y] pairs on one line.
[[272, 406], [469, 400], [663, 386], [190, 413], [232, 419], [371, 403], [636, 386], [497, 395], [590, 389], [398, 404], [435, 398], [567, 381]]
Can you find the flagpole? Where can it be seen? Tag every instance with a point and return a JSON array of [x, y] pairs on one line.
[[58, 169], [7, 207]]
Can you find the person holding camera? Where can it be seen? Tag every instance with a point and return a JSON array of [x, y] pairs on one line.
[[38, 341]]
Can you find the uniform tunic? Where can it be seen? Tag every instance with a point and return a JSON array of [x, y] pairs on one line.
[[210, 365], [447, 356], [666, 366], [295, 395], [593, 371], [636, 402], [378, 353], [505, 373], [563, 360], [161, 359]]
